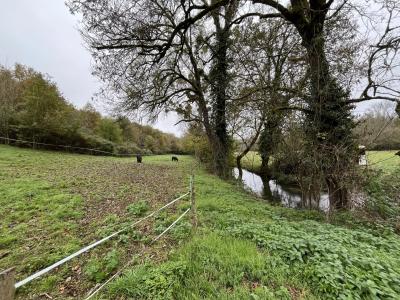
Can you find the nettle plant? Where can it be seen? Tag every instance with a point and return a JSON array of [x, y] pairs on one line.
[[329, 258]]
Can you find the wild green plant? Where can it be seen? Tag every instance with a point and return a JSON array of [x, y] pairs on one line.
[[138, 209]]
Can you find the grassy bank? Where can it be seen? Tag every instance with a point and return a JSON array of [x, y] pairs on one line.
[[242, 249], [379, 160], [380, 183], [383, 187]]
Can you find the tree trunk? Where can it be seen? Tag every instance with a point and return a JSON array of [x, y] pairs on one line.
[[267, 193], [247, 150], [239, 166], [264, 168], [221, 163], [269, 138], [265, 150], [330, 124], [219, 83], [338, 194], [221, 144]]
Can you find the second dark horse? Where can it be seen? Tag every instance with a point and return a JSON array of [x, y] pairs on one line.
[[174, 158]]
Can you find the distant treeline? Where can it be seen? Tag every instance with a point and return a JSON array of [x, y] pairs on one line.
[[33, 109]]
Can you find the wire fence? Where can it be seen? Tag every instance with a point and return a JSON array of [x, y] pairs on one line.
[[67, 148], [8, 285], [130, 261]]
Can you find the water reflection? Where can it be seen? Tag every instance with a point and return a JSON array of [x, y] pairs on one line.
[[286, 195]]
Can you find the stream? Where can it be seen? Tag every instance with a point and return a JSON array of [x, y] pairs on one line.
[[288, 196]]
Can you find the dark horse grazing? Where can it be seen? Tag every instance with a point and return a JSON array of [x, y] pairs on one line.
[[138, 158], [174, 158]]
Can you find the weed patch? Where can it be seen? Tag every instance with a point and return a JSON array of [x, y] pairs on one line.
[[208, 267], [138, 209]]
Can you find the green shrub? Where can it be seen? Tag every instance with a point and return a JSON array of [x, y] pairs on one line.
[[181, 231], [88, 140], [128, 148]]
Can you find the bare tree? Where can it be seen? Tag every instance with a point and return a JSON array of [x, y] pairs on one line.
[[279, 83], [383, 57], [153, 62], [379, 128], [247, 126]]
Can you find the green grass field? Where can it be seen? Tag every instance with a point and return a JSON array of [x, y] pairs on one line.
[[53, 203], [384, 160], [252, 161]]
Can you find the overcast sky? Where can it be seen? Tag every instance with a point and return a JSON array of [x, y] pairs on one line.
[[43, 34]]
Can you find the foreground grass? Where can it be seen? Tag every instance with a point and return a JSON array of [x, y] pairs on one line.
[[246, 249], [242, 249], [53, 203]]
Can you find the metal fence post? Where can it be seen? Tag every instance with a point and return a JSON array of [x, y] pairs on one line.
[[7, 281], [193, 202]]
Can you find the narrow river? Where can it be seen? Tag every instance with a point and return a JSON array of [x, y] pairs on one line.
[[288, 196]]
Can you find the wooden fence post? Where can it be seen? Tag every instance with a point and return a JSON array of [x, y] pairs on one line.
[[7, 282], [193, 202]]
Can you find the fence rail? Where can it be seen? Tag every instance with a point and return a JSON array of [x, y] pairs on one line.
[[89, 150], [7, 280], [130, 261]]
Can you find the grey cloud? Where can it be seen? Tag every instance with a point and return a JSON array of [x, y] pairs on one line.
[[43, 34]]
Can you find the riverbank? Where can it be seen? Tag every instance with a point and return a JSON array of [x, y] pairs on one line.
[[252, 163], [380, 184], [378, 160], [275, 192]]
